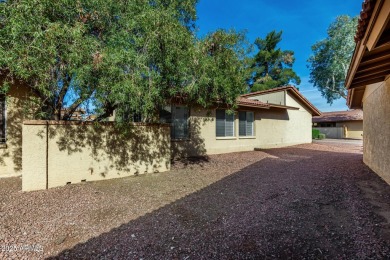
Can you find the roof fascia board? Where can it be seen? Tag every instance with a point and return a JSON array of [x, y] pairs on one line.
[[307, 103], [254, 106], [361, 46], [377, 24], [356, 59]]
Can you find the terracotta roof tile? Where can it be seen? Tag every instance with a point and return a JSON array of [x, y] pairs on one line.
[[242, 101], [339, 116], [365, 16]]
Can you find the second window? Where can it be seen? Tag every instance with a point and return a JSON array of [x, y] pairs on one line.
[[246, 119]]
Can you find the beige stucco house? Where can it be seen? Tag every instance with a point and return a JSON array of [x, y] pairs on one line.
[[50, 153], [265, 119], [368, 83], [340, 124]]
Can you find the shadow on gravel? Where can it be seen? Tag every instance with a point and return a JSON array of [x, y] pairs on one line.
[[188, 161], [297, 204]]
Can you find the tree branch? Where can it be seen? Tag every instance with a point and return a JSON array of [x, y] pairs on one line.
[[60, 100], [340, 92], [69, 112]]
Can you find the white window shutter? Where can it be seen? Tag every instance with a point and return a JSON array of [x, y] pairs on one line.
[[242, 123], [220, 122], [249, 123], [229, 125]]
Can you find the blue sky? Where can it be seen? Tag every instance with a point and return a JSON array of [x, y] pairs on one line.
[[303, 23]]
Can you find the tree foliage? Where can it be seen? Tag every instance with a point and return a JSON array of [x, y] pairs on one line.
[[331, 57], [271, 66], [220, 72], [127, 56]]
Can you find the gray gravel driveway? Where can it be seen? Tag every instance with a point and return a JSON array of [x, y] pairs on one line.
[[315, 201]]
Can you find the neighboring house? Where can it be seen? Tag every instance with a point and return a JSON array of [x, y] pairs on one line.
[[79, 115], [368, 83], [340, 124], [265, 119]]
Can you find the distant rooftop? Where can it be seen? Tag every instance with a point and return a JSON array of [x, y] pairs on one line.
[[339, 116]]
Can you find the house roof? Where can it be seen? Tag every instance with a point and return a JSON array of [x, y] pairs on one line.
[[294, 91], [245, 102], [370, 62], [364, 19], [339, 116]]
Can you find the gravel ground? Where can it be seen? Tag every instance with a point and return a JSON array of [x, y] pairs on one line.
[[308, 201]]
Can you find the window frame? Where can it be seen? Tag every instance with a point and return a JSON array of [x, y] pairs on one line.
[[233, 130], [246, 124], [171, 120], [186, 135]]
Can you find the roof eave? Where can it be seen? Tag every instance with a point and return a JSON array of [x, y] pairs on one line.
[[284, 107], [314, 111], [253, 106], [373, 20]]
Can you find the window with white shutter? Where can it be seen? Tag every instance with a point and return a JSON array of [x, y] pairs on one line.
[[224, 123], [2, 119], [246, 119]]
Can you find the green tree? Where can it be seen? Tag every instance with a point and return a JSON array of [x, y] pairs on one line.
[[113, 55], [220, 72], [331, 57], [271, 66]]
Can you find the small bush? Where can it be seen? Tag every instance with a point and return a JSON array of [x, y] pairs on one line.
[[315, 133], [321, 136]]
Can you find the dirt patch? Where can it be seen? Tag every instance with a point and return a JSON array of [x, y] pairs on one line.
[[378, 195]]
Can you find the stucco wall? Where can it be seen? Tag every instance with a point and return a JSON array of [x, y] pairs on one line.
[[203, 138], [75, 152], [376, 127], [279, 127], [354, 129], [277, 98], [11, 152], [347, 129], [332, 132], [272, 128]]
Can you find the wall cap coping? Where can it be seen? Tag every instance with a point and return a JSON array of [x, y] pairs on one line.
[[62, 122]]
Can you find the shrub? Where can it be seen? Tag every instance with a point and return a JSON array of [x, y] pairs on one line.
[[315, 133], [321, 136]]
